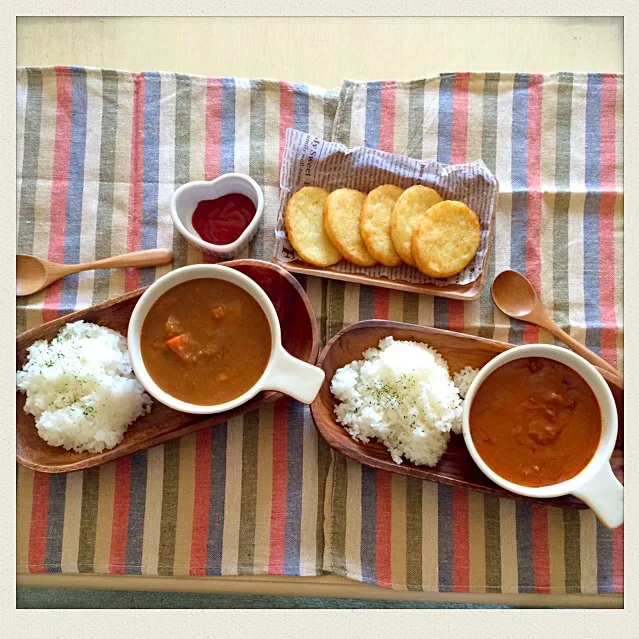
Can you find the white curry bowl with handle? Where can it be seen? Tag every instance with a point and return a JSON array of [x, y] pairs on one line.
[[283, 373], [186, 198], [595, 484]]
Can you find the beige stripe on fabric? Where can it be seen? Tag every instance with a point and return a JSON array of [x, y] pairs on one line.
[[358, 116], [242, 124], [308, 531], [22, 91], [351, 303], [186, 497], [153, 510], [90, 191], [104, 521], [398, 531], [400, 132], [477, 541], [71, 528], [508, 529], [430, 546], [353, 514], [233, 496], [396, 306], [556, 542], [271, 165], [327, 558], [122, 185], [166, 163], [431, 114], [619, 280], [588, 548], [263, 499], [547, 170], [197, 149], [24, 505]]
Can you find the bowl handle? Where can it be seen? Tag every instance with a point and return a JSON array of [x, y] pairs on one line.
[[604, 494], [293, 377]]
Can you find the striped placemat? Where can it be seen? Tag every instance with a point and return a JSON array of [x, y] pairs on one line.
[[99, 154], [555, 144]]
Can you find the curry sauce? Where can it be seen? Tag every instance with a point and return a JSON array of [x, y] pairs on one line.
[[535, 422], [206, 341]]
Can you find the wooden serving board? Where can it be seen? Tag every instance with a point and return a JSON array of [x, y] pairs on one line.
[[464, 292], [300, 337], [456, 467]]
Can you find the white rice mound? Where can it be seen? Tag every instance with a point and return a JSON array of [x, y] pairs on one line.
[[402, 394], [81, 389]]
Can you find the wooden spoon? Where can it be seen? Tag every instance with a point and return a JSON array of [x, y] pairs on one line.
[[514, 295], [33, 273]]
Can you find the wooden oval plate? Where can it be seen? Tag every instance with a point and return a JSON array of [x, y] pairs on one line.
[[300, 337], [456, 467]]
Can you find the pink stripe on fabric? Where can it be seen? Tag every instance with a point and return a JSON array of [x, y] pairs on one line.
[[39, 522], [287, 113], [212, 146], [540, 549], [387, 117], [383, 563], [533, 231], [607, 219], [134, 226], [201, 502], [461, 541], [459, 145], [120, 526], [617, 559], [59, 187]]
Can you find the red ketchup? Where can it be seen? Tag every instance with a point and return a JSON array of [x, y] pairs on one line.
[[223, 220]]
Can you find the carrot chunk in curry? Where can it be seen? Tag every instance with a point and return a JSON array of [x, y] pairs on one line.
[[206, 341]]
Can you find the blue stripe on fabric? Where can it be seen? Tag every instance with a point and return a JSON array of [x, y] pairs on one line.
[[445, 537], [523, 517], [151, 169], [55, 523], [227, 151], [301, 107], [369, 526], [295, 456], [218, 492], [445, 118], [75, 185], [592, 311], [373, 110], [604, 559], [137, 505], [519, 179], [444, 154]]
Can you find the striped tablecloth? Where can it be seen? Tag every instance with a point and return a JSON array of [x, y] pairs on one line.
[[99, 154]]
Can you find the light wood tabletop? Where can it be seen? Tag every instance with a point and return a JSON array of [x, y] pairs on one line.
[[321, 51]]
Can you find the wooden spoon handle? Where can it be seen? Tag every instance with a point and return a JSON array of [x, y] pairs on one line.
[[579, 348], [152, 257]]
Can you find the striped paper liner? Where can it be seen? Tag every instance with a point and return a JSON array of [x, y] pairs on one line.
[[310, 161], [99, 155]]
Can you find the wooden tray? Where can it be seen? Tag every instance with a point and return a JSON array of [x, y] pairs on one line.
[[456, 467], [300, 337], [463, 292]]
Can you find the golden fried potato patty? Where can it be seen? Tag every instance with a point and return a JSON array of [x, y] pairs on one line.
[[446, 239], [342, 212], [304, 221], [408, 209], [376, 222]]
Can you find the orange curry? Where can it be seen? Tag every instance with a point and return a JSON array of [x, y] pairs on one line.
[[206, 341], [535, 422]]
